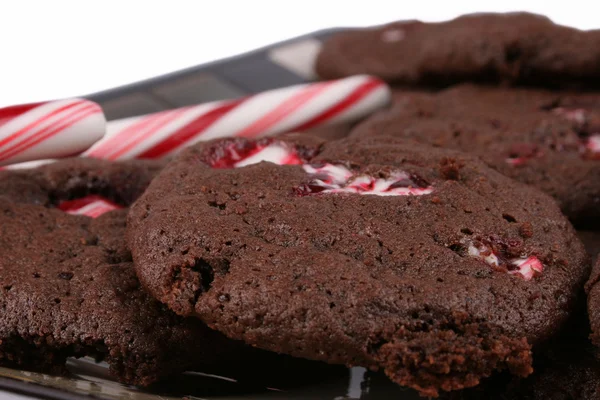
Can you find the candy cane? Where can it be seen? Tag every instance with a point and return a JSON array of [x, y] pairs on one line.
[[294, 108], [49, 130]]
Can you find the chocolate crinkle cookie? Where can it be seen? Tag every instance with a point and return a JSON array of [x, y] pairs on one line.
[[512, 48], [547, 139], [68, 285], [68, 289], [377, 252]]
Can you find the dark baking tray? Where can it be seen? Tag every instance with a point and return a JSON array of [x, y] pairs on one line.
[[248, 73], [259, 70]]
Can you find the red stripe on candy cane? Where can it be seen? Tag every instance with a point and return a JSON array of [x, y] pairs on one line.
[[8, 113], [141, 136], [56, 127], [106, 149], [309, 105], [144, 136], [66, 122], [190, 131], [28, 128], [283, 110], [358, 94]]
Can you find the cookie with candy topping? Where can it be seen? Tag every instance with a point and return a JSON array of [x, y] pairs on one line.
[[547, 139], [69, 290], [512, 47], [422, 262], [68, 287]]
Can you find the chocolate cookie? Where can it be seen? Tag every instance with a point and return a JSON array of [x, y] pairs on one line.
[[381, 253], [513, 47], [68, 287], [547, 139]]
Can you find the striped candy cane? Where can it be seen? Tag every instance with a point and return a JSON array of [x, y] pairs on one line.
[[294, 108], [49, 130]]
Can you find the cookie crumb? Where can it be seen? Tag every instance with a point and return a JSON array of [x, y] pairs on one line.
[[526, 230], [450, 168]]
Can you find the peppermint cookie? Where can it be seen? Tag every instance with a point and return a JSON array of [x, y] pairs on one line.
[[68, 287], [513, 47], [380, 253], [547, 139]]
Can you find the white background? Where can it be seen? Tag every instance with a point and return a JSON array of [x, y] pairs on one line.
[[54, 49]]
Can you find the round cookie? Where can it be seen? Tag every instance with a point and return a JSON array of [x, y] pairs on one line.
[[512, 47], [68, 284], [69, 290], [547, 139], [382, 253]]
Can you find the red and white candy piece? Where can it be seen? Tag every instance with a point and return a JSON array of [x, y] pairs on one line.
[[522, 153], [593, 143], [590, 145], [294, 108], [274, 152], [576, 115], [526, 267], [92, 206], [52, 129], [330, 178]]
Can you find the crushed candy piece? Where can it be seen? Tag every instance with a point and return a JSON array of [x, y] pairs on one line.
[[92, 206], [484, 253], [591, 147], [589, 134], [576, 115], [240, 154], [330, 178], [521, 153], [526, 267]]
